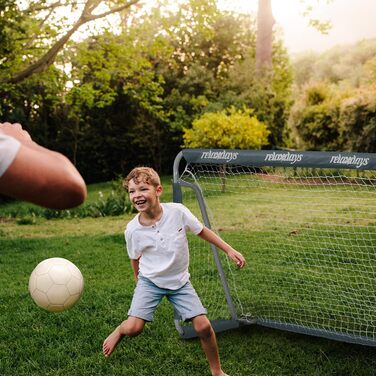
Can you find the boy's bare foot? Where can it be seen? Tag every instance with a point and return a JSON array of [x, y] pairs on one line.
[[111, 342]]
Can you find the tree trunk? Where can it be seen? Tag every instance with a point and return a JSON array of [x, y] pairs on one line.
[[264, 38]]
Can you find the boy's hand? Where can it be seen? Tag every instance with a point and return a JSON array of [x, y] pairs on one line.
[[216, 240], [237, 257]]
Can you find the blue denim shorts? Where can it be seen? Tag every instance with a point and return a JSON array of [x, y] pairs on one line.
[[147, 296]]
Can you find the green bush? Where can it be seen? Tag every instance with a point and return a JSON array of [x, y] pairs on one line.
[[327, 119], [229, 129], [314, 119], [358, 121], [316, 127], [343, 81]]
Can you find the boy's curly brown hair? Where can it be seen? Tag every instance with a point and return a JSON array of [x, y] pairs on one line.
[[142, 174]]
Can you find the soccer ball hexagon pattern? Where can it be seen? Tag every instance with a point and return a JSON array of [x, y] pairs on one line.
[[56, 284]]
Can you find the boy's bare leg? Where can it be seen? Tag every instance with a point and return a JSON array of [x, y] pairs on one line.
[[131, 327], [208, 340]]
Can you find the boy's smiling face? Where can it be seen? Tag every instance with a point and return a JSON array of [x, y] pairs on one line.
[[144, 196]]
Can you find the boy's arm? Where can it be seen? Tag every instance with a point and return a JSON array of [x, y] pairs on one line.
[[135, 267], [211, 237]]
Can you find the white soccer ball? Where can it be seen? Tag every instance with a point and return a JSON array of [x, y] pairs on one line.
[[56, 284]]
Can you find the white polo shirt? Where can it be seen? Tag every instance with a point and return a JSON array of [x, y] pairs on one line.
[[9, 147], [163, 247]]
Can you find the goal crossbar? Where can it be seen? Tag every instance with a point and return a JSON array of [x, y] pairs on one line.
[[306, 223]]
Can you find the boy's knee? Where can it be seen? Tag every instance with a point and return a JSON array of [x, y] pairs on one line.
[[132, 328], [202, 326]]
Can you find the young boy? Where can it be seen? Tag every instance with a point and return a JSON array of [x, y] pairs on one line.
[[158, 249]]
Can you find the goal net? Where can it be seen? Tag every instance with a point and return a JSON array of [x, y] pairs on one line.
[[306, 224]]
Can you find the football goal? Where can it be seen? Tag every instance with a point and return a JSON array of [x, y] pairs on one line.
[[306, 224]]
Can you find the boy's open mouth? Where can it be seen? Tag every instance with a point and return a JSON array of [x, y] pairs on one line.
[[140, 202]]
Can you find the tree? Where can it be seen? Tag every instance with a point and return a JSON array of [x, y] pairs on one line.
[[138, 90], [39, 9], [10, 18], [265, 22], [126, 97], [117, 99]]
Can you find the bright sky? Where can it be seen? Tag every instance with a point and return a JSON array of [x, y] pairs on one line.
[[352, 20]]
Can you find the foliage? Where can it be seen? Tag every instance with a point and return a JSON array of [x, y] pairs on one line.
[[323, 26], [229, 129], [34, 103], [326, 118], [348, 65], [117, 100], [240, 86], [10, 18], [116, 91], [369, 72], [48, 19], [203, 61], [269, 95], [334, 105], [187, 60], [314, 119], [358, 121]]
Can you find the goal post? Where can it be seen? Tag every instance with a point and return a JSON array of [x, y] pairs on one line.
[[306, 224]]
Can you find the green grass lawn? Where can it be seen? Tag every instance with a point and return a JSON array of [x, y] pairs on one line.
[[36, 342]]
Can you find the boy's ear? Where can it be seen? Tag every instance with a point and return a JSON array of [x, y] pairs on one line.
[[159, 190]]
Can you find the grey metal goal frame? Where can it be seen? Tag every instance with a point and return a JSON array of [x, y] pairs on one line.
[[258, 159]]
